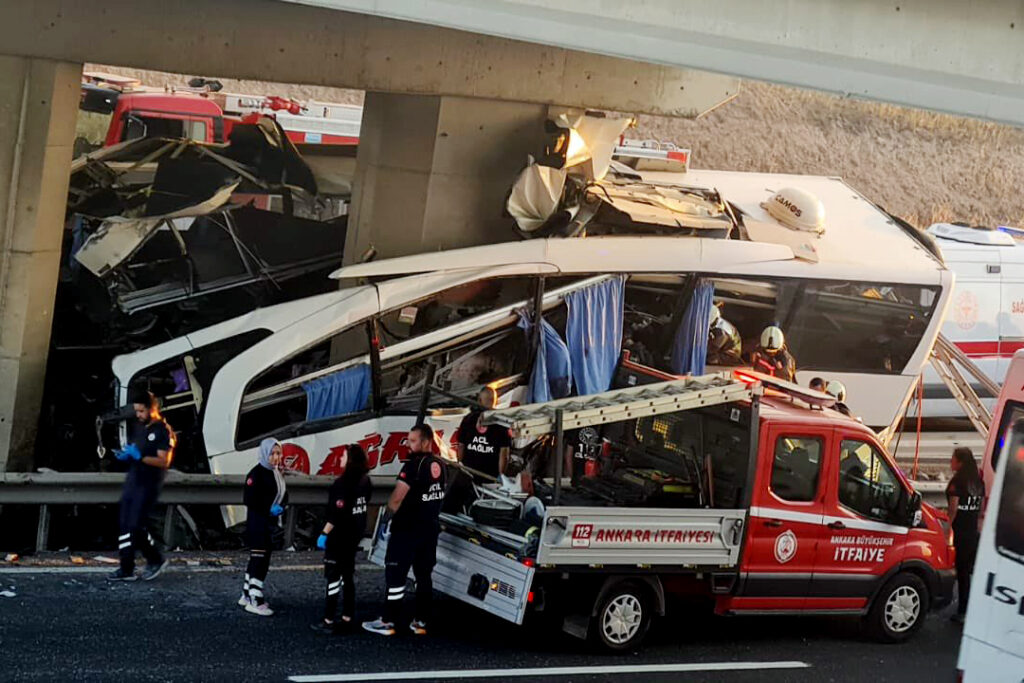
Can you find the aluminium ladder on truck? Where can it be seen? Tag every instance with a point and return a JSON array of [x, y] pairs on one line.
[[538, 419], [944, 358], [947, 360], [490, 568]]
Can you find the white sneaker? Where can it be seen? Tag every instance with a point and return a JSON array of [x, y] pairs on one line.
[[262, 609], [243, 601], [380, 626]]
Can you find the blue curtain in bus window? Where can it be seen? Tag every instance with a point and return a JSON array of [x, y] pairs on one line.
[[690, 348], [593, 332], [551, 376], [338, 393]]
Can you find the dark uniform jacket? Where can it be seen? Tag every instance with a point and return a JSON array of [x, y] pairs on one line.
[[425, 474], [258, 496], [346, 510]]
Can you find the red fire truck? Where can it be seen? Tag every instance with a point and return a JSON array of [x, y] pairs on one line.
[[114, 109], [740, 490]]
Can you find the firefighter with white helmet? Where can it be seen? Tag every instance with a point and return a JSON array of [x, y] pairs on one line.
[[771, 355], [838, 391], [725, 346]]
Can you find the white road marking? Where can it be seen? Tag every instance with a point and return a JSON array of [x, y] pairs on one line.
[[549, 671]]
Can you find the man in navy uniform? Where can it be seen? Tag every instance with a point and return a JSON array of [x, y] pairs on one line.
[[148, 456], [415, 505]]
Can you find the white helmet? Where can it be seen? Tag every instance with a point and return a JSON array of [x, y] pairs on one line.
[[837, 389], [772, 339]]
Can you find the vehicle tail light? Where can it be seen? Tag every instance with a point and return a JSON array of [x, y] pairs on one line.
[[528, 561], [529, 597]]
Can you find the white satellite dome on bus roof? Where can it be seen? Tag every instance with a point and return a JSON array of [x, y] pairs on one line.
[[797, 209]]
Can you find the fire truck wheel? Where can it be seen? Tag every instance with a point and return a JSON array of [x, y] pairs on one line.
[[899, 609], [623, 617]]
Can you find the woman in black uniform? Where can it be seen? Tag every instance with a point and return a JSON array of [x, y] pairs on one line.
[[264, 499], [345, 526], [965, 493]]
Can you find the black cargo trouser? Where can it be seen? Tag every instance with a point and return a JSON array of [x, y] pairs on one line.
[[966, 550], [415, 550], [137, 501], [258, 534], [339, 571]]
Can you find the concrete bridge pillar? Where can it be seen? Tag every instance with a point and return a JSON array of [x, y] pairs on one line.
[[432, 171], [38, 107]]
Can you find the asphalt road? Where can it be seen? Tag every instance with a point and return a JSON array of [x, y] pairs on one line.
[[185, 626]]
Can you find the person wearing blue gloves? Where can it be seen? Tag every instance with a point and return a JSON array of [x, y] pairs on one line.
[[148, 456], [345, 526], [264, 497]]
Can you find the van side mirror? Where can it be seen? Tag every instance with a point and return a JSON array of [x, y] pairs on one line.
[[134, 128], [913, 510]]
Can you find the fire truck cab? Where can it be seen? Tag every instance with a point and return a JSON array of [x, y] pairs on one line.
[[734, 489]]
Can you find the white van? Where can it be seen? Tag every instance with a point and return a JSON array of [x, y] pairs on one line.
[[992, 648], [986, 311]]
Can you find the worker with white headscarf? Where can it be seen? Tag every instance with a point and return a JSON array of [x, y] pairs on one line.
[[264, 499]]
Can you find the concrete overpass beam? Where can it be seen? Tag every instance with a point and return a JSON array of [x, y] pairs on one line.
[[38, 106], [291, 43], [432, 172]]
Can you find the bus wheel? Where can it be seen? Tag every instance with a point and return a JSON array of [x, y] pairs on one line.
[[623, 617], [899, 609]]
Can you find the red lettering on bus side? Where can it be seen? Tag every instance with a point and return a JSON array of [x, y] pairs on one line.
[[371, 445], [394, 447], [332, 463]]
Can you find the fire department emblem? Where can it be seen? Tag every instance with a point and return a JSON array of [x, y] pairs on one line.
[[785, 547], [965, 310]]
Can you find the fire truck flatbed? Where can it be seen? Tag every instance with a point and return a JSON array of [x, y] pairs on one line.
[[740, 496]]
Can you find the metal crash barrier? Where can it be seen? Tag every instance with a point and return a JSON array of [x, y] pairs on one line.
[[104, 488]]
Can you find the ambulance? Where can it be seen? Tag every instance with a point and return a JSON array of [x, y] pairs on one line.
[[734, 489], [986, 312], [992, 648]]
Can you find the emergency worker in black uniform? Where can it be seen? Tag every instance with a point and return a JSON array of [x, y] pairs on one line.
[[484, 449], [264, 496], [414, 505], [965, 495], [346, 523], [148, 456], [772, 357]]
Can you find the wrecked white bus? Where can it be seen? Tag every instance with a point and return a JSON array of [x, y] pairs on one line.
[[350, 366]]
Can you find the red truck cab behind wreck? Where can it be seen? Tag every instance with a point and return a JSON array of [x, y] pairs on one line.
[[824, 532]]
